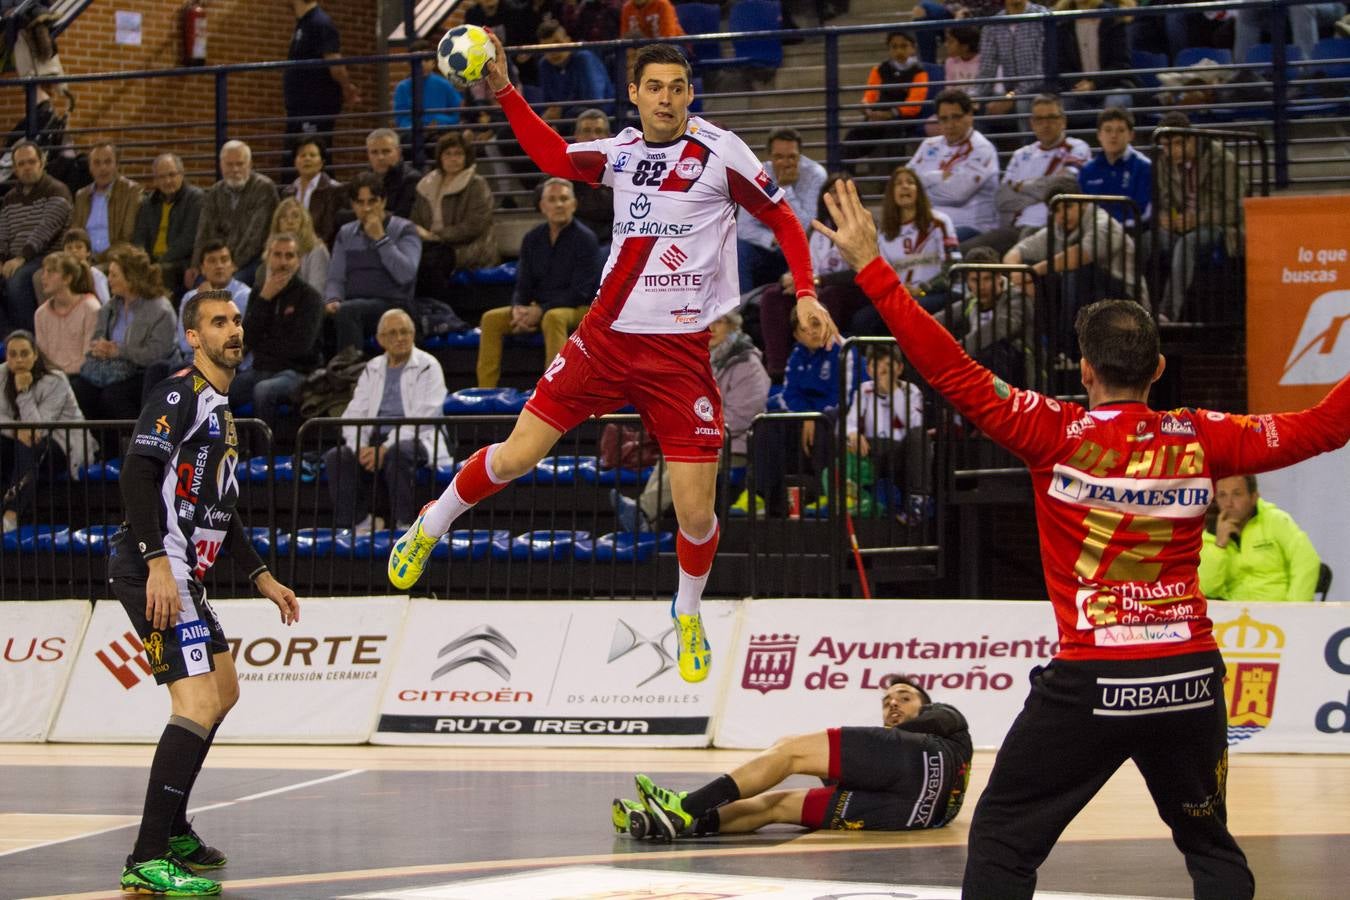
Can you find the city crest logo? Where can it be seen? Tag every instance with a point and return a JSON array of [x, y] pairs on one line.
[[1251, 653], [769, 662]]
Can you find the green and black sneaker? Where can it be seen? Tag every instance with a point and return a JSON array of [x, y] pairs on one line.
[[631, 817], [666, 808], [191, 849], [166, 875]]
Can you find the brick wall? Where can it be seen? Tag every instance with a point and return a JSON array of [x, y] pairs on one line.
[[239, 31]]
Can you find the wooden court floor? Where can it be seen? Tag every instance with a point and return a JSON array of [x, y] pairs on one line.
[[372, 822]]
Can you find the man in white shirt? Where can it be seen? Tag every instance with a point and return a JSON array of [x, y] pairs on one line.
[[758, 255], [959, 167], [1022, 192]]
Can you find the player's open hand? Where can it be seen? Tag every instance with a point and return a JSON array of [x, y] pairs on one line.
[[854, 231], [281, 595], [496, 69], [162, 603]]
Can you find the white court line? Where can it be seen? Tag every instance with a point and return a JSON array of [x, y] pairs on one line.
[[193, 811]]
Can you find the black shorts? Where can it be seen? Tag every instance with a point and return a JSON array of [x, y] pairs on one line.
[[887, 780], [187, 647]]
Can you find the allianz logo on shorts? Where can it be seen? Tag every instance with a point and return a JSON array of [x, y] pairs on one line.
[[1154, 694], [192, 633]]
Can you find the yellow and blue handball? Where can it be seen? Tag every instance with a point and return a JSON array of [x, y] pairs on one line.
[[464, 53]]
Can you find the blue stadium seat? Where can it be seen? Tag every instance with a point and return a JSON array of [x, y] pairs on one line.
[[1262, 54], [377, 545], [261, 538], [759, 52], [255, 469], [561, 470], [108, 471], [546, 545], [1329, 49], [502, 274], [624, 546], [38, 539], [591, 473], [318, 543], [93, 540], [466, 544], [1143, 59], [1189, 56], [701, 18], [484, 401], [445, 473]]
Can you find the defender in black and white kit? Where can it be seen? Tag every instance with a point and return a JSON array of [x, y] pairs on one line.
[[909, 773], [180, 487]]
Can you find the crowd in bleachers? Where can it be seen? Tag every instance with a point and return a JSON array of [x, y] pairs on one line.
[[91, 281]]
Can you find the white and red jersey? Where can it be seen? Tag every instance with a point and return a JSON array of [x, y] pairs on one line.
[[1034, 163], [1120, 491], [961, 179], [672, 264], [918, 254]]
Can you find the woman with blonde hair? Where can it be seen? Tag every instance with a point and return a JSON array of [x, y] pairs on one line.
[[291, 217], [135, 329], [65, 323]]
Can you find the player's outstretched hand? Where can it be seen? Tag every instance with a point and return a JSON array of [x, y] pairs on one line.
[[854, 231], [813, 314], [282, 596], [496, 73]]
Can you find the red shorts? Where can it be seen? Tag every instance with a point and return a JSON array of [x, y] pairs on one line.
[[667, 377]]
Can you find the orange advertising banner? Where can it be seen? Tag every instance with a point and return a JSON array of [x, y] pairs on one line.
[[1298, 299]]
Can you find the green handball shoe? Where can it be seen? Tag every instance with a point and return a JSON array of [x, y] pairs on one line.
[[191, 849], [631, 817], [410, 553], [167, 876], [666, 808]]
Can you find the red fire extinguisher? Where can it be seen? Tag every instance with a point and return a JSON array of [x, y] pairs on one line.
[[194, 33]]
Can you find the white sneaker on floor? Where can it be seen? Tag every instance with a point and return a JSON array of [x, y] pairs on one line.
[[368, 525]]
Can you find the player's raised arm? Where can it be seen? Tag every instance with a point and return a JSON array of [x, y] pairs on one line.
[[544, 145]]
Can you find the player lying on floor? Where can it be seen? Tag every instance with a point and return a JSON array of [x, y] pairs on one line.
[[910, 772]]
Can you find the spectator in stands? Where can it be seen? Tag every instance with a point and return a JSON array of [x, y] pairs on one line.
[[959, 167], [76, 242], [994, 320], [649, 19], [1305, 24], [453, 215], [962, 47], [1094, 257], [106, 208], [917, 240], [739, 370], [65, 323], [402, 382], [281, 331], [218, 274], [949, 9], [595, 202], [1021, 193], [884, 426], [1119, 168], [318, 192], [811, 385], [1095, 45], [557, 279], [374, 265], [166, 223], [759, 258], [32, 217], [892, 103], [315, 94], [569, 80], [440, 100], [237, 209], [1200, 190], [293, 219], [1012, 55], [31, 390], [1253, 550], [399, 178], [835, 288], [135, 329], [589, 20]]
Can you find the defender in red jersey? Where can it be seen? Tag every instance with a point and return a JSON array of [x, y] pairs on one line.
[[677, 181], [1120, 493]]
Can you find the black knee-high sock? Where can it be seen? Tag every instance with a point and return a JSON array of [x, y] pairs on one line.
[[180, 823], [718, 792], [178, 754]]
